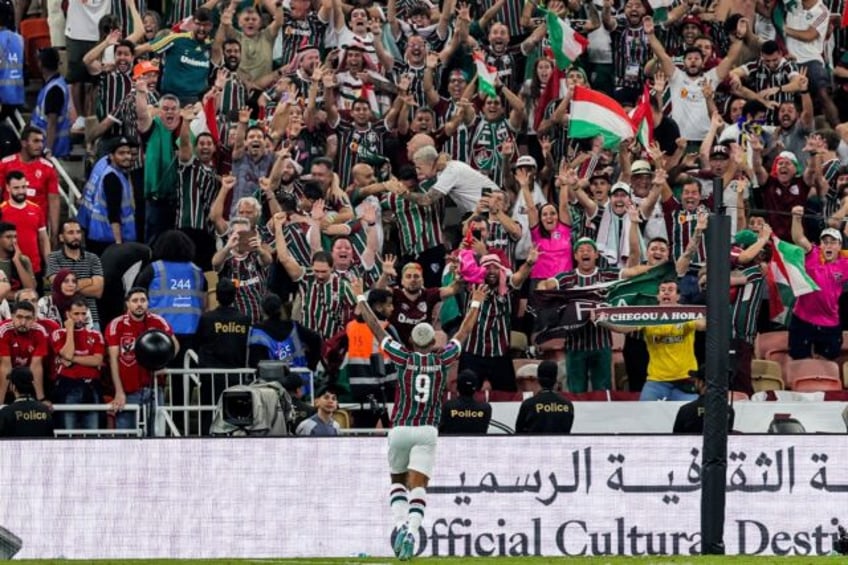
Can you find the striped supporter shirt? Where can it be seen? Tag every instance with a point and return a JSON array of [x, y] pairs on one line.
[[422, 380], [326, 307], [250, 278], [198, 185], [355, 144], [458, 146], [681, 227], [589, 337], [758, 77], [419, 227], [745, 307], [490, 337], [299, 35], [114, 87]]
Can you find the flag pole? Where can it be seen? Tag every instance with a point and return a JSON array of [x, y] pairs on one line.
[[714, 463]]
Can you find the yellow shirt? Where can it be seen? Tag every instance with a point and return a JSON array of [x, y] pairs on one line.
[[672, 351]]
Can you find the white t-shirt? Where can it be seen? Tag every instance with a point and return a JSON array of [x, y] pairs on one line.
[[83, 18], [816, 17], [463, 184], [688, 106]]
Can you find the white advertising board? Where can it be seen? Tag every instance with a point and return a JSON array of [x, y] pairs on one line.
[[508, 495]]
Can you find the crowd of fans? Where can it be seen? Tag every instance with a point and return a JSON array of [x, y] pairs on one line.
[[289, 147]]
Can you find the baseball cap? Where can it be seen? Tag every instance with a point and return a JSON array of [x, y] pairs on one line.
[[745, 238], [641, 167], [691, 20], [586, 240], [699, 375], [620, 186], [525, 161], [466, 381], [832, 232], [720, 151], [423, 334], [144, 68], [121, 142], [600, 174]]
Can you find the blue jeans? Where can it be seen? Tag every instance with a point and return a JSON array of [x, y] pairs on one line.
[[126, 420], [654, 390], [76, 391]]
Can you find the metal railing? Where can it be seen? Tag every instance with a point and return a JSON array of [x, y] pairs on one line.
[[136, 431], [194, 385]]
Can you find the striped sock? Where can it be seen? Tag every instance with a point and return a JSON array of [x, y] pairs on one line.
[[416, 509], [399, 503]]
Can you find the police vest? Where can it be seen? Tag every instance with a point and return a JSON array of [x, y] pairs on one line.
[[289, 349], [176, 294], [11, 68], [62, 144], [93, 213]]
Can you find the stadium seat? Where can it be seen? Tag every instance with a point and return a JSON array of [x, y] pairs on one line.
[[552, 350], [805, 368], [342, 417], [737, 396], [770, 341], [36, 34], [766, 375], [818, 383], [845, 375]]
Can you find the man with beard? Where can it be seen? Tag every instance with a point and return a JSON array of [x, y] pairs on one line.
[[251, 158], [133, 383], [492, 130], [28, 217], [79, 354], [688, 105], [413, 303], [455, 110], [116, 77], [16, 266], [779, 189], [256, 41], [348, 261], [506, 59], [226, 57], [815, 327], [42, 180], [794, 123], [589, 348], [84, 264], [107, 209], [23, 343], [185, 59], [198, 185], [772, 79]]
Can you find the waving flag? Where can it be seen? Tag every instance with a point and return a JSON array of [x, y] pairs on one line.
[[660, 9], [485, 76], [787, 279], [593, 114], [643, 118], [566, 43]]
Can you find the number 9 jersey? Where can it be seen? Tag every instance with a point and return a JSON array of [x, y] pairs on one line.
[[422, 379]]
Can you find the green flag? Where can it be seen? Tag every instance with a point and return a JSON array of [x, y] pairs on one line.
[[641, 290]]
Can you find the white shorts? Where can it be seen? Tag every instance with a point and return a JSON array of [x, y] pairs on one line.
[[412, 448]]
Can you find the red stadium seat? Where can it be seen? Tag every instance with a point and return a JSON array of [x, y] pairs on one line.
[[803, 368], [817, 383], [737, 396], [770, 341], [36, 34]]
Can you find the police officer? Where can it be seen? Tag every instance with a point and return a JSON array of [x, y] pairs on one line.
[[464, 415], [547, 412], [26, 416], [690, 416]]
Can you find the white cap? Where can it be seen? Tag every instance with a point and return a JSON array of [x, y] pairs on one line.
[[620, 186], [832, 232], [525, 161], [423, 334], [641, 167]]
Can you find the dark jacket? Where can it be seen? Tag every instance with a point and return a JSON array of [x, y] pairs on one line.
[[546, 413], [26, 417], [465, 416]]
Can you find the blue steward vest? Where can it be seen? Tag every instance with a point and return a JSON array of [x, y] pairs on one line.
[[176, 294], [62, 143], [289, 349], [11, 68], [93, 213]]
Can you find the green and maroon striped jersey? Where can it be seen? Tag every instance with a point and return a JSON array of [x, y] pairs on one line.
[[745, 308], [419, 227], [422, 380], [589, 337], [490, 337], [326, 306], [114, 87], [250, 278], [197, 188]]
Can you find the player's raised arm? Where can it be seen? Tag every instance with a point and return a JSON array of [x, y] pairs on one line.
[[366, 312], [478, 295]]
